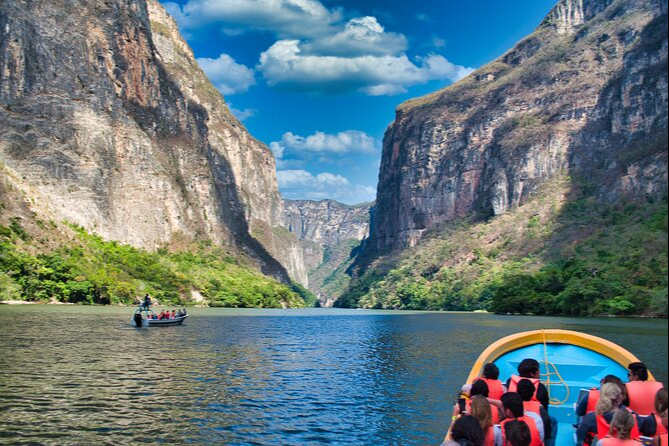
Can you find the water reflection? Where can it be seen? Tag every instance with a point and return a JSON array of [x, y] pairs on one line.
[[79, 375]]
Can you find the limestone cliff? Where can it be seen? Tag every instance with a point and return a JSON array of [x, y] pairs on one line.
[[330, 234], [106, 117], [585, 95]]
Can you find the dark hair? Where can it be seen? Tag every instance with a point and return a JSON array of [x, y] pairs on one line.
[[517, 433], [617, 381], [490, 371], [528, 367], [480, 387], [467, 431], [639, 370], [511, 401], [661, 401], [526, 389]]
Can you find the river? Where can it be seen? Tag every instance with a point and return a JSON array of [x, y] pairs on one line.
[[83, 375]]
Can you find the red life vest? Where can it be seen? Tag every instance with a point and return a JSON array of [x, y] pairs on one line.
[[513, 385], [494, 387], [532, 406], [611, 441], [493, 409], [642, 396], [603, 428], [489, 439], [661, 430], [536, 437], [593, 397], [664, 439]]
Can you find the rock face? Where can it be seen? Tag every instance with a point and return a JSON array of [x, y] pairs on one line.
[[329, 233], [585, 94], [105, 114]]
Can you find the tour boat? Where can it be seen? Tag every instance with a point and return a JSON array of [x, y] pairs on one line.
[[571, 363], [143, 318]]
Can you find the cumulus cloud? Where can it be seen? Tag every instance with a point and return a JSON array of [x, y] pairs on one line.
[[227, 75], [284, 64], [285, 17], [300, 184], [350, 141]]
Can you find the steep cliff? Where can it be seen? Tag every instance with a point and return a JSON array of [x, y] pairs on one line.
[[107, 118], [585, 94], [330, 234], [539, 179]]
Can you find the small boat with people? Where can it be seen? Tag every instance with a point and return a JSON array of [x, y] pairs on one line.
[[145, 317], [564, 388]]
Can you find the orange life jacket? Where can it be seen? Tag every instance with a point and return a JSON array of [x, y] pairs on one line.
[[593, 397], [513, 385], [612, 441], [532, 406], [493, 409], [536, 437], [661, 430], [664, 439], [489, 439], [642, 396], [604, 427], [494, 386]]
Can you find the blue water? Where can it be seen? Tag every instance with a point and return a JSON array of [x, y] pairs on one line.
[[82, 375]]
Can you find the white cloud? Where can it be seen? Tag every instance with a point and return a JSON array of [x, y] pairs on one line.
[[284, 64], [424, 18], [242, 114], [285, 17], [300, 184], [227, 75], [360, 36], [350, 141]]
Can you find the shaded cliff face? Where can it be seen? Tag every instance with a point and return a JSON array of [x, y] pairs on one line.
[[330, 234], [109, 120], [585, 95]]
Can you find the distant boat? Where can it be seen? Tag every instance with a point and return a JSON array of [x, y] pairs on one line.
[[143, 317], [571, 364]]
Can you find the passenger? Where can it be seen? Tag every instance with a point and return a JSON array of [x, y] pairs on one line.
[[174, 314], [491, 378], [588, 403], [529, 369], [482, 411], [597, 423], [481, 388], [526, 391], [641, 391], [466, 431], [652, 426], [620, 432], [517, 433], [662, 439], [513, 410]]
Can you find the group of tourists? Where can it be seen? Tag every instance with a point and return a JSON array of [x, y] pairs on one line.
[[174, 314], [516, 413]]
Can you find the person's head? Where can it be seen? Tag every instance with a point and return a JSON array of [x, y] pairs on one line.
[[467, 431], [482, 411], [480, 387], [661, 403], [513, 405], [637, 372], [610, 398], [622, 424], [490, 371], [618, 382], [525, 389], [517, 433], [529, 368]]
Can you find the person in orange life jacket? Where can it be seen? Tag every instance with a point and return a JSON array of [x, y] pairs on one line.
[[526, 391], [490, 376], [513, 410], [651, 426], [587, 405], [481, 388], [482, 411], [620, 432], [641, 391], [529, 368], [609, 401], [517, 433], [663, 439]]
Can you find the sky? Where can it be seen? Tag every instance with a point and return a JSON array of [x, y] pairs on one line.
[[318, 81]]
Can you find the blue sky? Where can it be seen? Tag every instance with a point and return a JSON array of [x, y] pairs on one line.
[[318, 80]]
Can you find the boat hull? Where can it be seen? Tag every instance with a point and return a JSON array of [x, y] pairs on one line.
[[165, 322]]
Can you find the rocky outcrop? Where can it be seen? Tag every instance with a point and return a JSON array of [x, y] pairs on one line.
[[105, 114], [330, 234], [584, 95]]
